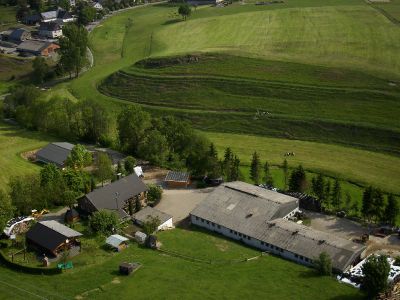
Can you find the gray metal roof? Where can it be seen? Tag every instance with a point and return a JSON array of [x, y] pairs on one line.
[[60, 228], [126, 187], [308, 242], [142, 215], [177, 176], [115, 240], [48, 15], [55, 153], [242, 211], [258, 213]]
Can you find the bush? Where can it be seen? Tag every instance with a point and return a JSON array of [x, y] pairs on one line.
[[154, 194], [323, 264], [104, 222]]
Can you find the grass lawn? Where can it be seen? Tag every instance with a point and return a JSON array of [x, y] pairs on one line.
[[359, 166], [7, 17], [168, 277], [13, 70], [13, 142]]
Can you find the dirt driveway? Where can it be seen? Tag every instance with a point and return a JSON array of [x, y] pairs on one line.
[[180, 202]]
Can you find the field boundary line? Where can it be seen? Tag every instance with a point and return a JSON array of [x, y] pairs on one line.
[[23, 290]]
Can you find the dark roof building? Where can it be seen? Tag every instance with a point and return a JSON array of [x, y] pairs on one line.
[[259, 218], [35, 47], [177, 179], [55, 153], [51, 236], [115, 196]]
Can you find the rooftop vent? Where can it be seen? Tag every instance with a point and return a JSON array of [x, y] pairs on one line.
[[249, 215], [295, 232]]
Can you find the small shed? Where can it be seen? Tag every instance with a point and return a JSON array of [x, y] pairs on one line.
[[71, 216], [175, 179], [140, 237], [117, 242], [126, 268], [148, 212], [151, 242]]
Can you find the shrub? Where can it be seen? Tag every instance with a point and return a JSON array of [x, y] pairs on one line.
[[323, 264], [154, 194], [104, 222]]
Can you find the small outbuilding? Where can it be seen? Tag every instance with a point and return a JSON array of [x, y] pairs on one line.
[[144, 214], [55, 153], [175, 179], [117, 242], [140, 237], [71, 216], [126, 268]]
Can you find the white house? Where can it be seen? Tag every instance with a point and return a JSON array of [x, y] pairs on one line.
[[259, 218], [97, 5], [50, 30], [148, 212]]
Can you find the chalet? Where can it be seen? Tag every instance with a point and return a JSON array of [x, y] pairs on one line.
[[50, 30], [148, 212], [16, 35], [176, 179], [51, 237], [56, 15], [119, 196], [37, 48], [54, 153], [260, 218], [97, 5]]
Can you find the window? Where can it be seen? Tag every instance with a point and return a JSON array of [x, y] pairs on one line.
[[262, 243], [207, 222], [219, 227], [230, 230], [240, 234], [212, 224], [249, 238], [306, 259], [202, 220], [296, 256], [197, 218], [235, 232]]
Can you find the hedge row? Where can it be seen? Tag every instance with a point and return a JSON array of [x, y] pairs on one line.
[[27, 269]]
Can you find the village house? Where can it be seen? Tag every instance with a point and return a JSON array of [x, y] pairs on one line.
[[55, 153], [260, 218], [56, 15], [97, 5], [51, 237], [37, 48], [119, 196], [16, 35], [148, 212], [50, 30]]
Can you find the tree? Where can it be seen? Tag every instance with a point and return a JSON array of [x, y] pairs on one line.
[[25, 194], [120, 168], [348, 201], [86, 15], [318, 187], [73, 47], [104, 169], [69, 198], [323, 264], [104, 222], [64, 4], [375, 275], [298, 180], [267, 175], [154, 193], [151, 224], [76, 180], [40, 69], [52, 184], [184, 10], [133, 123], [213, 165], [336, 194], [154, 148], [255, 167], [6, 210], [79, 157], [285, 168], [391, 210], [328, 188], [129, 164]]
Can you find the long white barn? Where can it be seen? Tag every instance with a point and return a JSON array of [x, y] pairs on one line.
[[259, 218]]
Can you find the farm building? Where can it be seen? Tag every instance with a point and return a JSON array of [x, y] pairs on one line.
[[116, 196], [52, 237], [54, 153], [50, 30], [16, 35], [33, 47], [176, 179], [144, 214], [259, 218], [117, 242]]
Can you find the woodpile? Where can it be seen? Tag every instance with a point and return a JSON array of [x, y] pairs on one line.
[[393, 292]]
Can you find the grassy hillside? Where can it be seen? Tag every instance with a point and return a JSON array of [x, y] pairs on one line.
[[167, 277], [13, 70], [13, 142], [337, 161], [267, 92]]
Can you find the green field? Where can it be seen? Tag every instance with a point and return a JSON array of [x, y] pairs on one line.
[[13, 142], [168, 277], [7, 17], [12, 71]]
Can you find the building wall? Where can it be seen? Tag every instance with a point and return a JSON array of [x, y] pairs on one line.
[[50, 34], [166, 225], [250, 241], [177, 184]]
